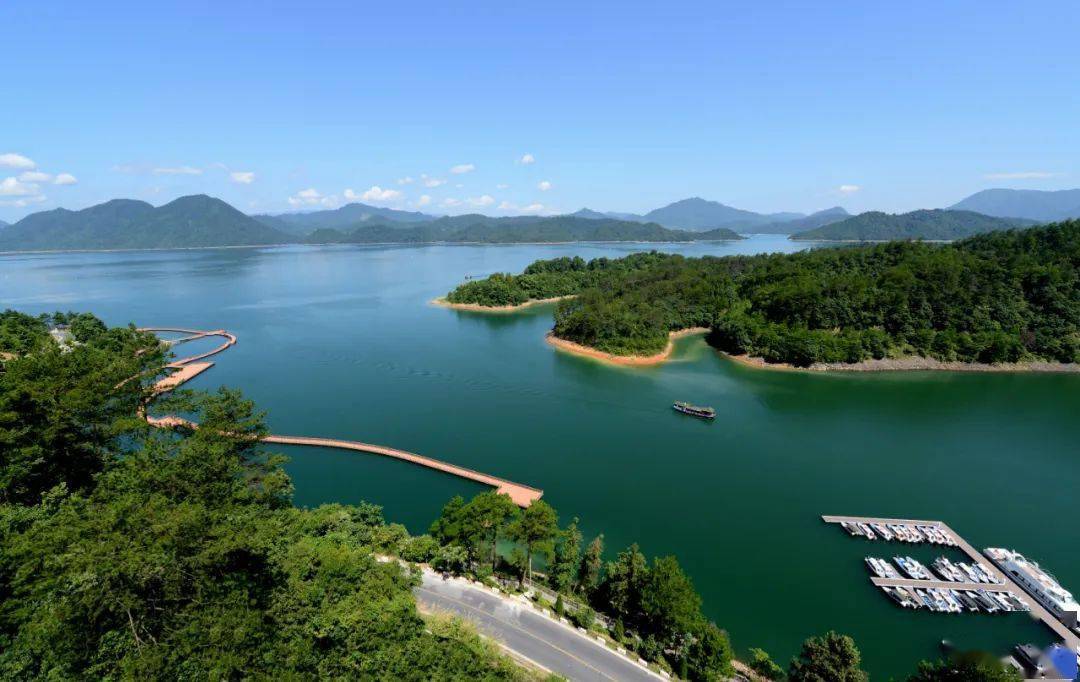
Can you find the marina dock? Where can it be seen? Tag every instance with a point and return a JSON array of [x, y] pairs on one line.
[[1069, 638], [190, 367]]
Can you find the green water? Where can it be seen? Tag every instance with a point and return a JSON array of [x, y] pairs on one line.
[[340, 341]]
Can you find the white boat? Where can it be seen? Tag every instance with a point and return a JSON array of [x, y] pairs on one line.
[[1038, 583]]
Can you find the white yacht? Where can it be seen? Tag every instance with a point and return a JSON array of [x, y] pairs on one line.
[[1039, 584]]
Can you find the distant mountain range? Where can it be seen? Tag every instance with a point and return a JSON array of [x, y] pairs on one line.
[[522, 229], [128, 224], [814, 220], [348, 215], [936, 224], [3, 224], [202, 221], [1024, 203], [700, 215]]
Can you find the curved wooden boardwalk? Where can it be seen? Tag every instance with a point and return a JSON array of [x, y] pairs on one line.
[[190, 367]]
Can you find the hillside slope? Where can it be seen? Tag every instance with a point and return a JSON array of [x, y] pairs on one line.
[[1024, 203], [191, 221], [937, 224]]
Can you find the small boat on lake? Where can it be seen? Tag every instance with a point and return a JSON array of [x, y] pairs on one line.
[[694, 410]]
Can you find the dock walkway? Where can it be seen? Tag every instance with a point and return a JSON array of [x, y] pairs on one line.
[[190, 367], [1068, 637]]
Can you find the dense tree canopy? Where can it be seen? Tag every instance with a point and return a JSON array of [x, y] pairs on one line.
[[999, 297], [830, 658]]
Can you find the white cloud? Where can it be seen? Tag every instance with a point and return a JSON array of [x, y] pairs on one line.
[[65, 179], [376, 194], [462, 168], [507, 206], [12, 187], [527, 159], [242, 177], [407, 180], [23, 193], [17, 161], [312, 197], [532, 208], [1022, 175], [543, 185], [34, 176], [848, 189], [450, 202], [177, 170], [424, 200], [485, 200], [431, 182], [502, 185]]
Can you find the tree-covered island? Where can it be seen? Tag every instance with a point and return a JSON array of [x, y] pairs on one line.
[[1002, 297]]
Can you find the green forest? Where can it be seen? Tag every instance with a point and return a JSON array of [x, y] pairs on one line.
[[128, 552], [1006, 296]]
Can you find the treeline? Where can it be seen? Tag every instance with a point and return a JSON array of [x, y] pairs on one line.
[[652, 610], [132, 553], [1006, 296], [835, 658]]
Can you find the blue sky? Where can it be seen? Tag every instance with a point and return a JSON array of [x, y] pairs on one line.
[[621, 106]]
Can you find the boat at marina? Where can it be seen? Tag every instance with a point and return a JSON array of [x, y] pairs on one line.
[[1038, 583], [695, 410]]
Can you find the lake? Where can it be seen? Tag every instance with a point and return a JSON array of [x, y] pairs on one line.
[[341, 341]]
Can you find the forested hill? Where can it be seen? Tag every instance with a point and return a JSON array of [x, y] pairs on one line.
[[935, 225], [482, 229], [192, 221], [1000, 297], [1033, 204]]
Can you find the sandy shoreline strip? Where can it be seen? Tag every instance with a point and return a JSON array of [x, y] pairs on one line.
[[909, 364], [477, 308], [624, 360]]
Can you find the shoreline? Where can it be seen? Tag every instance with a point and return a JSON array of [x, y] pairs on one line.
[[496, 309], [624, 360], [914, 363]]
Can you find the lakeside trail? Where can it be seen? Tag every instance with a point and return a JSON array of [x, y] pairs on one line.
[[497, 309], [190, 367], [624, 360]]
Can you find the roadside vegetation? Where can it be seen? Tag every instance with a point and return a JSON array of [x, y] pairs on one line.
[[1001, 297]]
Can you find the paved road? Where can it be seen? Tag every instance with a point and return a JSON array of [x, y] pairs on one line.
[[521, 629]]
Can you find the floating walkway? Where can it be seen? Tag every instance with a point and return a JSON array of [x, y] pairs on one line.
[[190, 367], [1005, 583]]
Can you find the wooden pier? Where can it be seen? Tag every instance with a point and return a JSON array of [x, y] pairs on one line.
[[190, 367], [1068, 637]]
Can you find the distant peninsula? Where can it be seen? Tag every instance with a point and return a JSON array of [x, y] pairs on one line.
[[1006, 299], [481, 229], [932, 225]]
